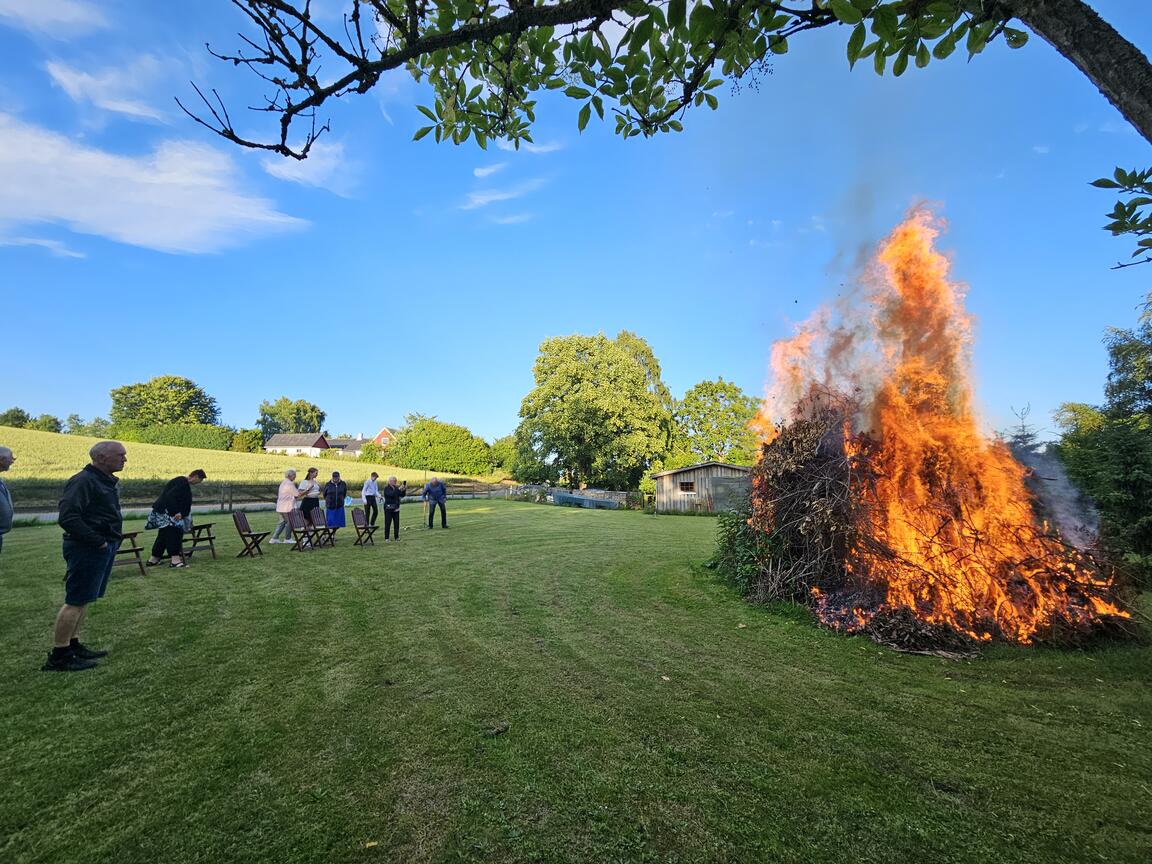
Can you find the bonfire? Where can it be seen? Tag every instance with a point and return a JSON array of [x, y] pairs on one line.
[[884, 505]]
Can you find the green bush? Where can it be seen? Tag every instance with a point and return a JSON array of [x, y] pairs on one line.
[[742, 552], [370, 451], [427, 443], [204, 436], [247, 441]]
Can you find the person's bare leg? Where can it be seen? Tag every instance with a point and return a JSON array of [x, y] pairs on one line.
[[68, 621]]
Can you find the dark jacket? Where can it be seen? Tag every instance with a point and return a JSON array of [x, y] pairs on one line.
[[90, 508], [334, 494], [392, 495], [176, 497], [437, 492]]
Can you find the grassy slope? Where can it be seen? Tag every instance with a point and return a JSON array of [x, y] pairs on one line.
[[48, 456], [299, 707]]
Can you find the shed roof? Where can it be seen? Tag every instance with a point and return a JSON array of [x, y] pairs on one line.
[[703, 465], [297, 439]]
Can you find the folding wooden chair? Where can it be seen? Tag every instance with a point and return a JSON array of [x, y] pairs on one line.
[[325, 536], [302, 532], [364, 531], [252, 539]]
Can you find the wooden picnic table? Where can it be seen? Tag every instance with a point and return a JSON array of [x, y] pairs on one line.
[[200, 537], [129, 552]]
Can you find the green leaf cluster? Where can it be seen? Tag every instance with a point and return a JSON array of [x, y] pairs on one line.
[[1133, 216], [668, 59]]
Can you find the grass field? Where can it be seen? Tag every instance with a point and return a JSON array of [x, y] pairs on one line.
[[45, 459], [539, 684]]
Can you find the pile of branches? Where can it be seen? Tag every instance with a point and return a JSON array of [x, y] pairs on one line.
[[809, 524], [803, 497]]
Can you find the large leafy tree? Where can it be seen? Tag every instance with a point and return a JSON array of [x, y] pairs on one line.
[[712, 423], [646, 64], [163, 400], [1108, 448], [17, 418], [431, 444], [597, 415], [287, 415]]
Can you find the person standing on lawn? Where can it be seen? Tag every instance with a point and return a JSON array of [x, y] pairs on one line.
[[392, 495], [6, 460], [335, 491], [170, 513], [310, 489], [368, 495], [286, 497], [90, 517], [436, 493]]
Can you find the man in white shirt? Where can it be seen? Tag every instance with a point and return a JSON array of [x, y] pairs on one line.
[[368, 495]]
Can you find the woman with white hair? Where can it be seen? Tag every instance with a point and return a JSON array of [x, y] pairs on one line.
[[285, 504]]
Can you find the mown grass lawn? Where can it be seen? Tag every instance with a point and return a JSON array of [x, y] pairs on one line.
[[347, 706]]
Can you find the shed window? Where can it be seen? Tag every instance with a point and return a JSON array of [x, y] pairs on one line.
[[688, 486]]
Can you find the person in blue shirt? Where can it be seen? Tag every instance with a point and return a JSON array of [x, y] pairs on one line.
[[436, 493]]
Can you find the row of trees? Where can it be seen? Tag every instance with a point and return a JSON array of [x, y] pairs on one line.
[[170, 409], [599, 414]]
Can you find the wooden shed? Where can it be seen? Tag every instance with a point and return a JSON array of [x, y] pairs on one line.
[[705, 488]]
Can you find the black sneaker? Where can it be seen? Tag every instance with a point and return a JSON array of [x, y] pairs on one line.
[[79, 649], [68, 663]]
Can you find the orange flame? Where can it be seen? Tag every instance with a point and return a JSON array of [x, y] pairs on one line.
[[962, 546]]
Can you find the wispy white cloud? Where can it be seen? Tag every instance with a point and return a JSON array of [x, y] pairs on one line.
[[721, 214], [118, 89], [182, 197], [61, 19], [326, 166], [484, 197], [1041, 149], [515, 219], [57, 248], [489, 170], [1117, 127], [550, 147]]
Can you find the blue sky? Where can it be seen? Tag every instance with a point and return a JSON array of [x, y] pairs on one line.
[[387, 276]]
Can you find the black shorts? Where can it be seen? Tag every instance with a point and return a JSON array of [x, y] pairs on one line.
[[88, 571]]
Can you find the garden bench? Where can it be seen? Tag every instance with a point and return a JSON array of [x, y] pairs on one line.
[[129, 552], [251, 539]]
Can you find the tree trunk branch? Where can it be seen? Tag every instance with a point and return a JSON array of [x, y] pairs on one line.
[[1117, 67]]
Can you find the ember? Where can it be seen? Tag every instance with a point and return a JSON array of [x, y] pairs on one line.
[[884, 505]]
